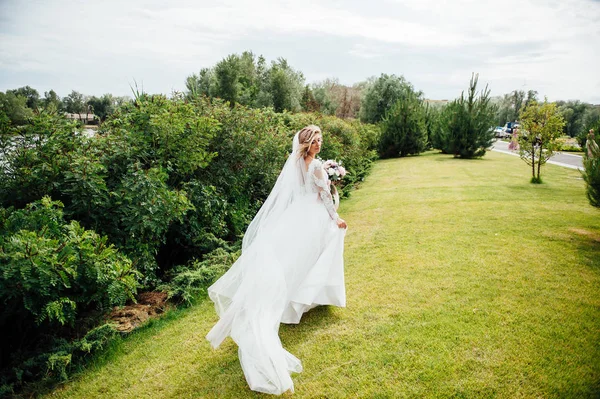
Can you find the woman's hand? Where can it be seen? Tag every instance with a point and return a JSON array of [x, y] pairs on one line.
[[342, 223]]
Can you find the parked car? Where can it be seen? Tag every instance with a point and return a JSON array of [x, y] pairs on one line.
[[508, 130]]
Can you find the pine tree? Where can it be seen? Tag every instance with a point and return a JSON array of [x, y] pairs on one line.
[[403, 130], [467, 122]]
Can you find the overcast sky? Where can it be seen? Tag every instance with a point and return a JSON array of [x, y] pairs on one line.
[[97, 47]]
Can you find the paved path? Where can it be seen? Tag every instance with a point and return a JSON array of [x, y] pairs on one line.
[[561, 158]]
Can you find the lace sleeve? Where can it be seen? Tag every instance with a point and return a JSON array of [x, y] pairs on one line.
[[322, 182]]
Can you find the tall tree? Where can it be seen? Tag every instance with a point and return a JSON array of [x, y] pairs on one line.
[[381, 94], [203, 84], [248, 79], [510, 105], [227, 73], [286, 86], [74, 103], [14, 108], [573, 112], [337, 99], [103, 106], [51, 100], [31, 94], [309, 103], [325, 95]]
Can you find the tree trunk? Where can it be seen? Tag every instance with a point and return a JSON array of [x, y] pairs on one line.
[[539, 162], [533, 160]]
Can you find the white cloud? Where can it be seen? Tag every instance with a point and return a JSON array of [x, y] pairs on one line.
[[551, 44]]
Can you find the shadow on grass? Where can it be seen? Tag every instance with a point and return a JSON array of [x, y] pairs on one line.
[[588, 244], [311, 320], [585, 240], [450, 157]]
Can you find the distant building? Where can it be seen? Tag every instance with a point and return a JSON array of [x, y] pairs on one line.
[[88, 119]]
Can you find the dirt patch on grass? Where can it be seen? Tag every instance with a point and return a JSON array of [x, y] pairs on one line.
[[589, 234], [149, 305]]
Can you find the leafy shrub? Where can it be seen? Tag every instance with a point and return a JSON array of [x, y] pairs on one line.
[[52, 273], [159, 132], [251, 147], [57, 361], [33, 158], [167, 180], [51, 268], [190, 282], [143, 208], [567, 144]]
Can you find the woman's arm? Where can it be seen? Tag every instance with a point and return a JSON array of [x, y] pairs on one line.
[[322, 183]]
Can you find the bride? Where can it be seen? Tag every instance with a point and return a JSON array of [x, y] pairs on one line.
[[292, 261]]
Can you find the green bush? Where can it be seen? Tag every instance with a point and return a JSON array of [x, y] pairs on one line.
[[167, 180], [57, 361], [52, 269], [251, 147], [190, 282], [34, 156], [52, 273]]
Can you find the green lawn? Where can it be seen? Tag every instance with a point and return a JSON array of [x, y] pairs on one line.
[[463, 280]]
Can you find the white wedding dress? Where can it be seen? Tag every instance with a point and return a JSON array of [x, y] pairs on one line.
[[292, 261]]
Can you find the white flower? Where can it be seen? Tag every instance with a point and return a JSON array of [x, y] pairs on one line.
[[330, 172]]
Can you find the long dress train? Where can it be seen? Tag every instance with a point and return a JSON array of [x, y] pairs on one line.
[[294, 264]]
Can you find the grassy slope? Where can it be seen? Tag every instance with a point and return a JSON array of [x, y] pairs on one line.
[[463, 280]]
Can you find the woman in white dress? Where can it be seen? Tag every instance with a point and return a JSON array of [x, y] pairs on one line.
[[292, 261]]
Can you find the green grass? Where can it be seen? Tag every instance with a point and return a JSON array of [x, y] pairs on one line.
[[463, 280]]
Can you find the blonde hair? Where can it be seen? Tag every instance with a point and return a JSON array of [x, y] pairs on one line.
[[305, 138]]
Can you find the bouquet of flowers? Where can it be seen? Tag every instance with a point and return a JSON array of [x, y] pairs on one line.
[[334, 169], [336, 172]]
